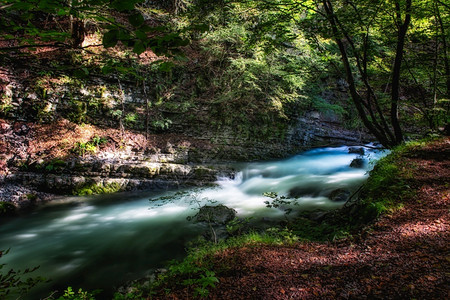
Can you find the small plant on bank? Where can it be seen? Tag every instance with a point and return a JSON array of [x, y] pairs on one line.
[[203, 283], [130, 119], [237, 225], [70, 294], [90, 147]]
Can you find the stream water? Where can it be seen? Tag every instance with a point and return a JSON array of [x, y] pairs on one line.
[[103, 241]]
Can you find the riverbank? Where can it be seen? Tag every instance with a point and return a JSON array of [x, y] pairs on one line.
[[403, 253], [39, 161]]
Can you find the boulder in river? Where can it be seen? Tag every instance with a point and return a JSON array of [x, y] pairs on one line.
[[339, 195], [357, 163], [219, 214]]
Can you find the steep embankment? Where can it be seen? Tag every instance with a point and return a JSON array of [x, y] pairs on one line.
[[403, 254]]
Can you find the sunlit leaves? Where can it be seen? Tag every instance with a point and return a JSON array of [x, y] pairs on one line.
[[135, 33]]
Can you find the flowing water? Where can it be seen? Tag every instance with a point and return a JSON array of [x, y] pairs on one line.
[[101, 242]]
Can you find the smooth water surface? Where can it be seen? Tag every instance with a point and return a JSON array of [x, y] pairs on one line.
[[101, 242]]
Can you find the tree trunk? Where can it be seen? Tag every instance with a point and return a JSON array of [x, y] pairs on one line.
[[445, 54], [395, 84], [77, 30]]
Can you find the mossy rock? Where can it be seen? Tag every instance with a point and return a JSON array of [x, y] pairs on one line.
[[97, 189], [357, 163], [219, 214]]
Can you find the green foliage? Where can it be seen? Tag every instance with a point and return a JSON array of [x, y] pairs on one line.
[[99, 141], [16, 283], [82, 148], [161, 125], [280, 202], [90, 147], [328, 230], [23, 16], [202, 283], [387, 184], [69, 294], [237, 226], [130, 119]]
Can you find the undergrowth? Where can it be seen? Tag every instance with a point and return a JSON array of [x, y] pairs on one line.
[[195, 271]]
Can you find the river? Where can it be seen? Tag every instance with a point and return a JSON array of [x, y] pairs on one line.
[[100, 242]]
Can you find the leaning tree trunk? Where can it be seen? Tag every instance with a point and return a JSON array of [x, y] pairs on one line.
[[382, 133]]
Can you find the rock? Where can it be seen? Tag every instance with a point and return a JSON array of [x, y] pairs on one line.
[[356, 150], [357, 163], [339, 195], [219, 214]]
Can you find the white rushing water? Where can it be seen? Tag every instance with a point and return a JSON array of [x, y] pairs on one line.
[[102, 241]]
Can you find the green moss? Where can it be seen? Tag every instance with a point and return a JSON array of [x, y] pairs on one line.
[[54, 165], [31, 197], [200, 172], [97, 189]]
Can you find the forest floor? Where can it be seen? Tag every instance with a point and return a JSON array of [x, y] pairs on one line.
[[402, 255]]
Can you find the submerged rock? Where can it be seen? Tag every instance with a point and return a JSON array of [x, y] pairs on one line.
[[339, 195], [301, 191]]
